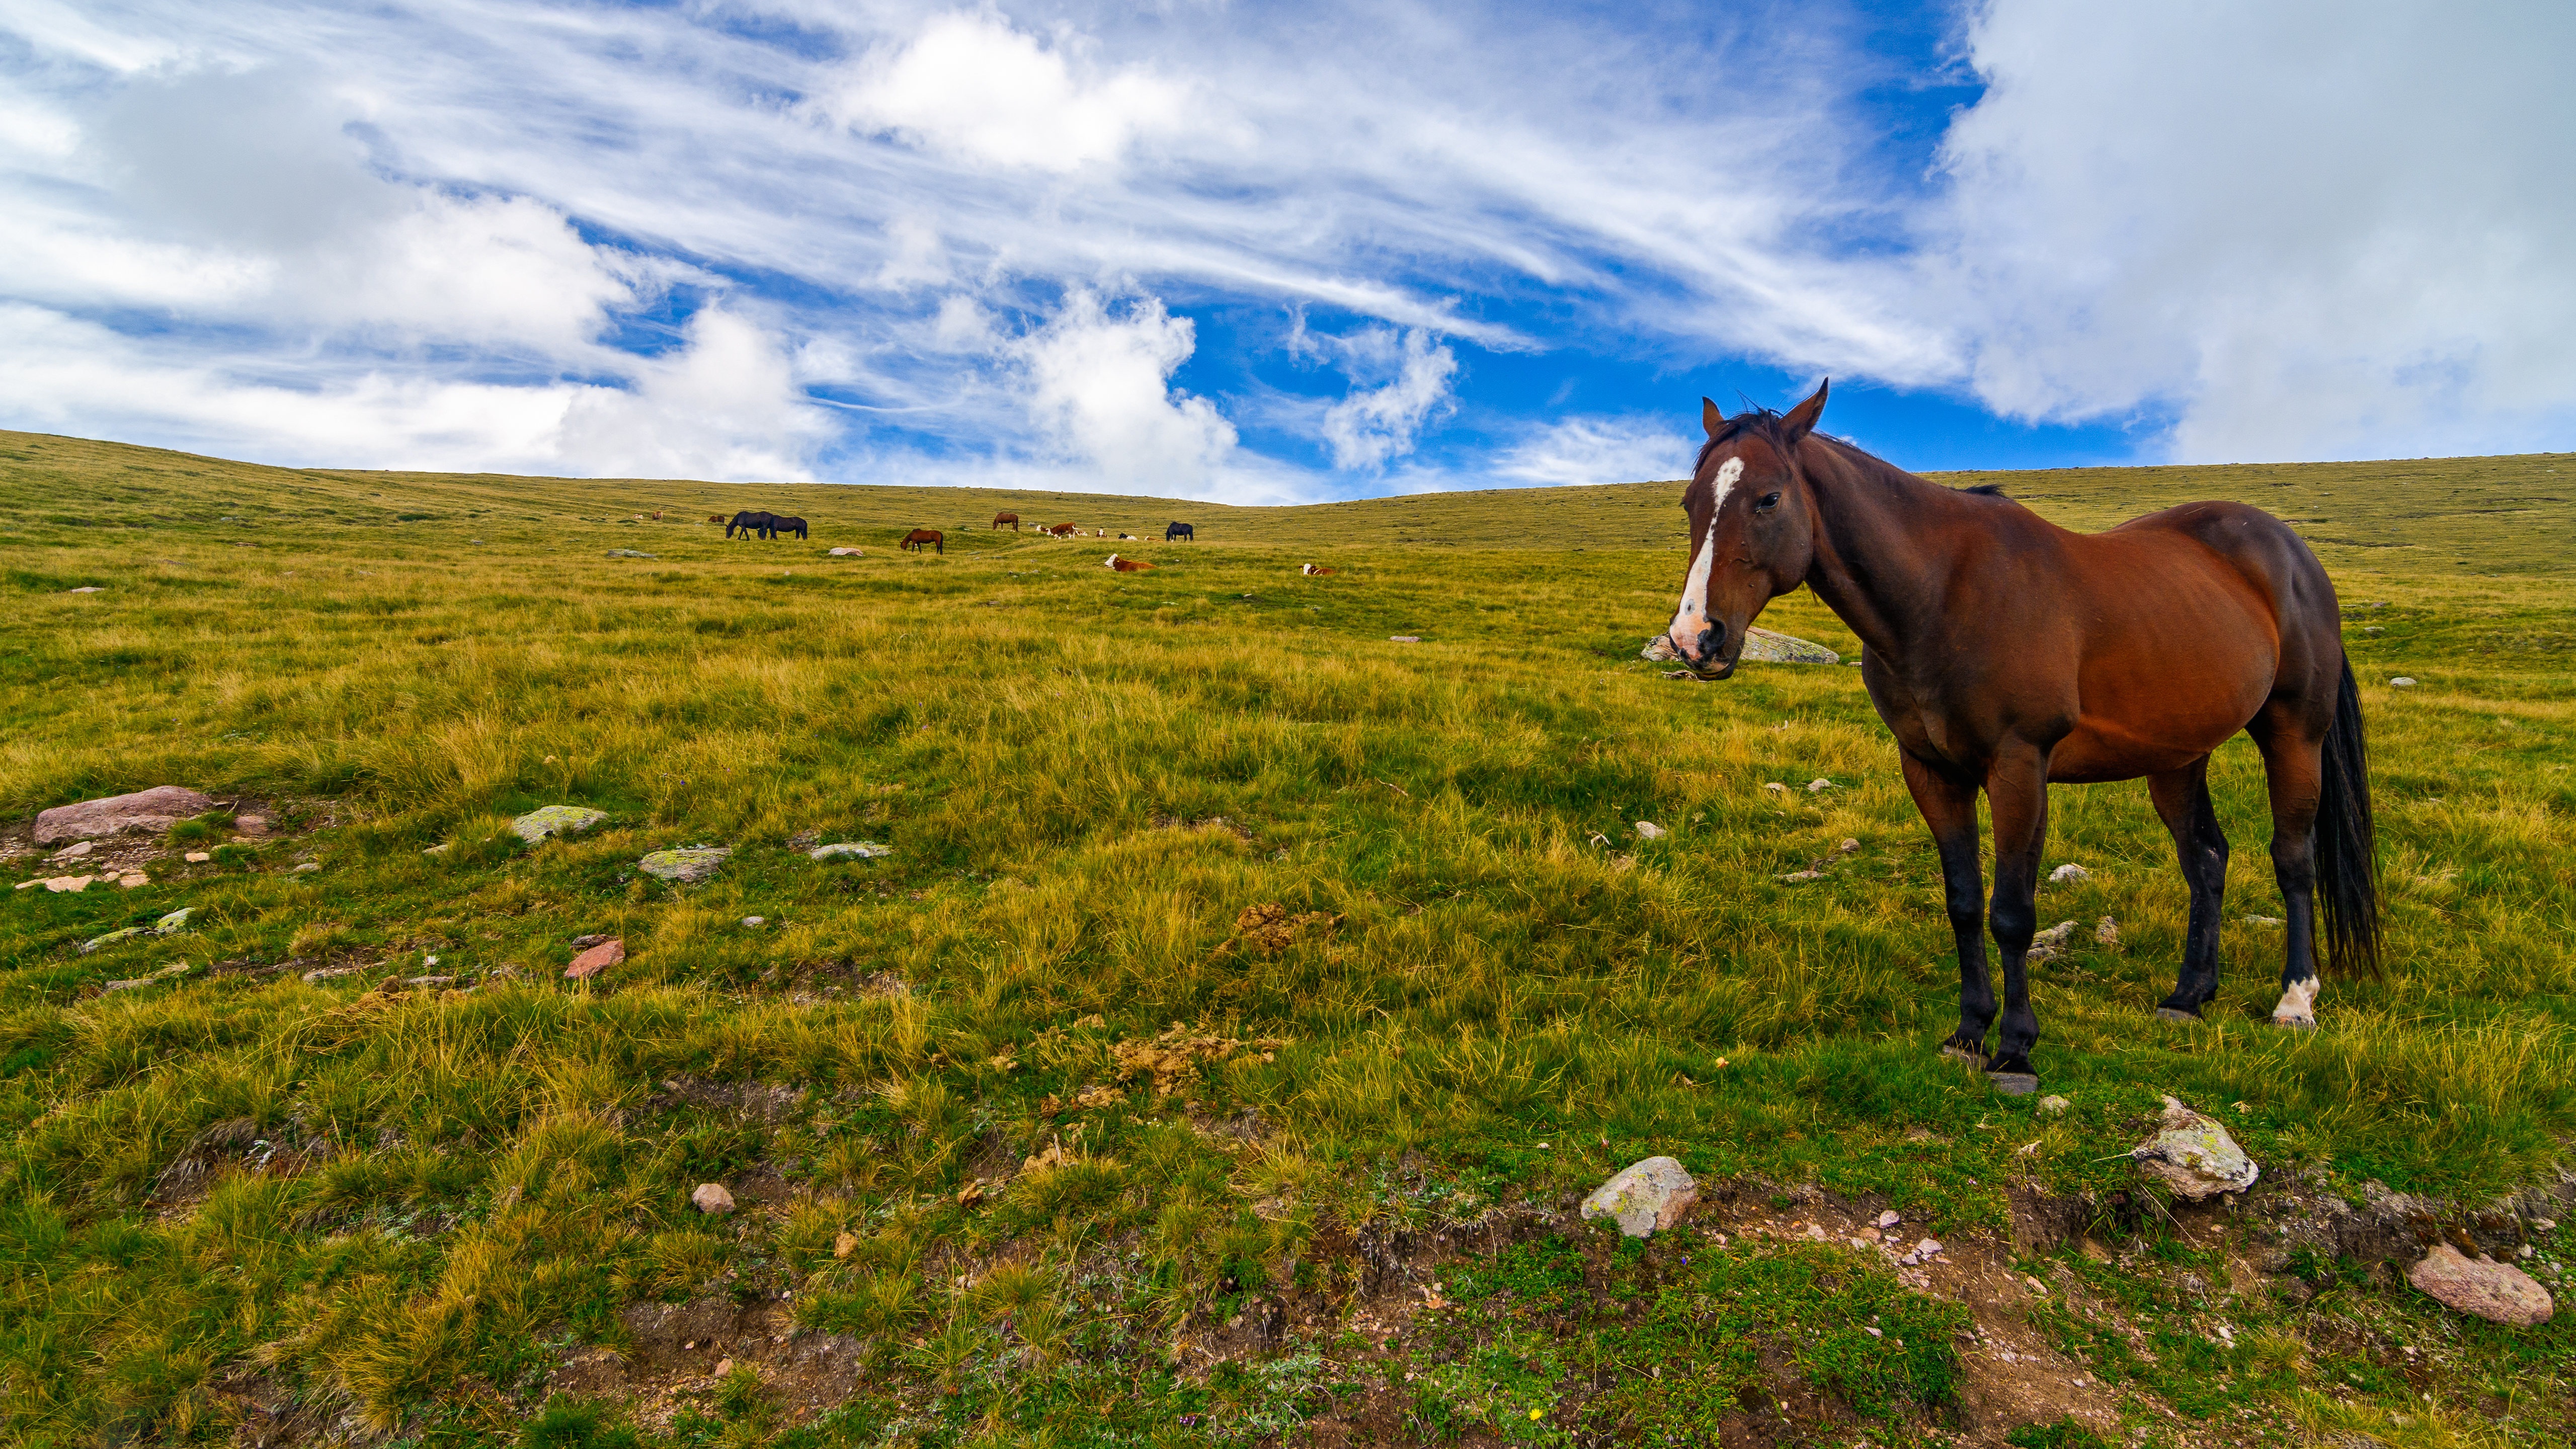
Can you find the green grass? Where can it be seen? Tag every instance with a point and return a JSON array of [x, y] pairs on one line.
[[1501, 994]]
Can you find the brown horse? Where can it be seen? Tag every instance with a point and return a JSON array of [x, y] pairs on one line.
[[2007, 653], [1012, 519], [921, 538]]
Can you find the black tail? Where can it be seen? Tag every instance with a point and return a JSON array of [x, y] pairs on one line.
[[2347, 854]]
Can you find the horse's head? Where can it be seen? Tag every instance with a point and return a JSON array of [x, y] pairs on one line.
[[1752, 529]]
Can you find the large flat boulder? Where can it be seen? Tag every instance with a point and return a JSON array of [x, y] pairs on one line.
[[150, 811], [2496, 1292]]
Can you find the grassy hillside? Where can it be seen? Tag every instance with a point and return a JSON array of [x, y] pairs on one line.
[[1245, 1003]]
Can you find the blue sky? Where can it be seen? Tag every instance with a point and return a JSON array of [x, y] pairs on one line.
[[1276, 253]]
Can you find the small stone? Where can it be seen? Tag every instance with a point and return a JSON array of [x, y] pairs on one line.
[[595, 960], [1888, 1219], [251, 824], [2194, 1156], [2107, 932], [1847, 845], [133, 879], [584, 943], [1404, 638], [2054, 1106], [712, 1199], [440, 849], [95, 942], [331, 973], [1660, 649], [850, 850], [537, 824], [1649, 830], [2056, 937], [174, 922], [68, 884], [630, 553], [1926, 1248], [845, 1244], [723, 1366], [755, 920], [849, 553], [86, 589], [198, 857], [150, 811], [2402, 682], [1813, 786], [307, 868], [1644, 1197], [685, 867], [1776, 785], [2067, 873], [74, 851], [2482, 1287]]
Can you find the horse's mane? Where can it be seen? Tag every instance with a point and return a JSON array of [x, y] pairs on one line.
[[1763, 423]]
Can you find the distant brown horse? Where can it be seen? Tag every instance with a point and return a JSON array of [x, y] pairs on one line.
[[715, 518], [921, 538], [2006, 652], [1012, 519]]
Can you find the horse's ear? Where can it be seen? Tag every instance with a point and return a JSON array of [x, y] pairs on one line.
[[1710, 417], [1801, 420]]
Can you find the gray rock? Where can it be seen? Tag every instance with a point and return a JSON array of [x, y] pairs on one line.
[[175, 921], [2193, 1155], [2054, 1106], [2402, 682], [86, 589], [1649, 830], [2481, 1286], [151, 811], [94, 942], [630, 553], [1765, 646], [73, 851], [1644, 1197], [2068, 872], [548, 820], [1761, 646], [687, 866], [850, 850], [849, 553], [712, 1199]]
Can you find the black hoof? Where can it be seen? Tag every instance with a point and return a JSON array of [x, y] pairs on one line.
[[2014, 1084], [2176, 1013]]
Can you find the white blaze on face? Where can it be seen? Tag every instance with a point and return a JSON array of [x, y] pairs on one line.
[[1692, 616]]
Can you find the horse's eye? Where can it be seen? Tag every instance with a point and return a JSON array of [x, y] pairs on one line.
[[1768, 500]]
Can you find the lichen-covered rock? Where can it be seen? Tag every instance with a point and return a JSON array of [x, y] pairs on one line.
[[548, 820], [1761, 646], [1644, 1197], [151, 811], [2496, 1292], [686, 866], [2193, 1155], [850, 850], [94, 942]]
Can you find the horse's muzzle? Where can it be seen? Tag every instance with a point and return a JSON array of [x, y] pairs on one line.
[[1700, 652]]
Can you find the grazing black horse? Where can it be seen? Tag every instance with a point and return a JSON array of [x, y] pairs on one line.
[[780, 523], [1180, 530], [752, 524]]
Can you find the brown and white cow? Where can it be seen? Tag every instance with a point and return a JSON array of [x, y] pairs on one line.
[[1125, 565]]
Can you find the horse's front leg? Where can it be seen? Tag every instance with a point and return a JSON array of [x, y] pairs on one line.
[[2017, 792], [2182, 798], [1950, 809]]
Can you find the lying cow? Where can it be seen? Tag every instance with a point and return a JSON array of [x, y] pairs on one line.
[[1125, 565], [1314, 570]]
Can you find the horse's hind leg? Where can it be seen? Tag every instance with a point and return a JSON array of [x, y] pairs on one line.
[[1950, 809], [2292, 770], [2182, 798]]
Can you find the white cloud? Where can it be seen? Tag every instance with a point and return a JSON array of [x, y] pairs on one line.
[[723, 407], [1100, 384], [1582, 450], [2300, 229], [1368, 428], [973, 86]]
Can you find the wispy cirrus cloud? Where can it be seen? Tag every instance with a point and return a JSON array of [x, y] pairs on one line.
[[1260, 252]]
